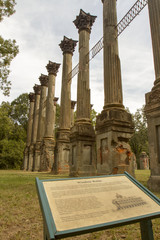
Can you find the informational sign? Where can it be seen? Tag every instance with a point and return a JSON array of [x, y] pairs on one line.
[[82, 203]]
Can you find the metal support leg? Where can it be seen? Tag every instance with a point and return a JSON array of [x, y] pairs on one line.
[[146, 230], [44, 233]]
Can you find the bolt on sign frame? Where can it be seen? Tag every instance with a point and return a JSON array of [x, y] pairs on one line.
[[75, 206]]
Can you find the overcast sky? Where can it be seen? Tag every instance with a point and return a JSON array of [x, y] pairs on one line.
[[39, 26]]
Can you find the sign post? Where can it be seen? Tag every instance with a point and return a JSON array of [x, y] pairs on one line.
[[75, 206]]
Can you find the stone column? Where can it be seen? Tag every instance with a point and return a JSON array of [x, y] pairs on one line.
[[55, 104], [84, 23], [144, 161], [82, 137], [73, 103], [41, 121], [29, 130], [37, 89], [114, 125], [48, 144], [62, 145], [152, 108], [112, 66]]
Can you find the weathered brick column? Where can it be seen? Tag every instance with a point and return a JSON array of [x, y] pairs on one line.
[[152, 108], [37, 90], [48, 144], [41, 121], [73, 103], [62, 144], [82, 137], [29, 131], [114, 125]]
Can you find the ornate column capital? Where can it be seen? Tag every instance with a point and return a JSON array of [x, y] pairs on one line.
[[43, 80], [52, 68], [55, 101], [37, 89], [84, 21], [31, 97], [73, 103], [68, 45]]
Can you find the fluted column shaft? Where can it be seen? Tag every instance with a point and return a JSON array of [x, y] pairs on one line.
[[50, 115], [83, 90], [84, 23], [65, 110], [37, 89], [67, 46], [42, 109], [154, 15], [112, 68], [30, 118], [29, 132], [73, 103], [55, 104]]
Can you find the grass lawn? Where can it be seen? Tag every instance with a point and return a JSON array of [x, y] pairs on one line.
[[20, 215]]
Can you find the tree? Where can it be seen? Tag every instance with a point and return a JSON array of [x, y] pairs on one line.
[[6, 8], [11, 153], [8, 48], [20, 110], [139, 141], [6, 123], [13, 121], [93, 117]]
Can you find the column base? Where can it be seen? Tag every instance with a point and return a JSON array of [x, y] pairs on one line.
[[62, 149], [154, 183], [37, 157], [114, 129], [31, 157], [82, 158], [25, 158], [47, 154], [152, 111], [114, 106]]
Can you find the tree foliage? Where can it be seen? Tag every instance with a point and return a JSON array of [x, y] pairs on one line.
[[20, 110], [139, 141], [13, 121], [6, 8], [8, 48], [93, 117]]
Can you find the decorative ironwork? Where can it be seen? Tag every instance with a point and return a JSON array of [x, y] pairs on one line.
[[121, 26], [130, 15], [74, 71], [96, 49]]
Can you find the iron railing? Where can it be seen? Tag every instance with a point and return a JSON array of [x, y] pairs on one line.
[[121, 26]]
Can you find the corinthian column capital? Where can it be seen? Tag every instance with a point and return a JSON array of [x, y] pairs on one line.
[[73, 103], [52, 68], [43, 80], [37, 89], [31, 97], [84, 21], [68, 45]]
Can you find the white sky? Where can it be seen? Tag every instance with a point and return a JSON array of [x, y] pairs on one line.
[[39, 26]]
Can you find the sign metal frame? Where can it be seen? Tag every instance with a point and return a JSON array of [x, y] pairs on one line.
[[51, 233]]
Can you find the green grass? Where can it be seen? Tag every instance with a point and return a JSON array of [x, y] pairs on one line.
[[20, 215]]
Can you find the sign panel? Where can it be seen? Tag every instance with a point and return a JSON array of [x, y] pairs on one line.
[[86, 202]]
